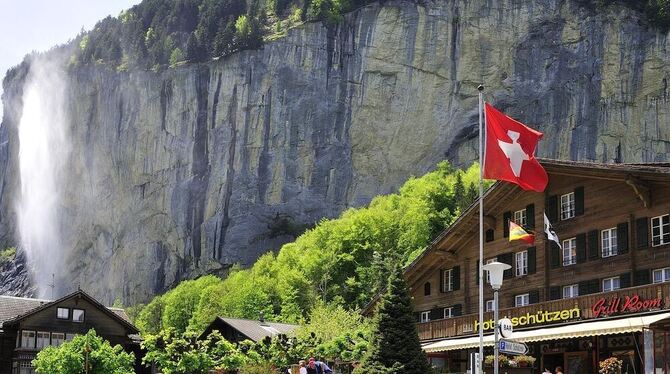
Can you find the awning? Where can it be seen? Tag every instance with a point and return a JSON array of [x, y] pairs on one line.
[[575, 330]]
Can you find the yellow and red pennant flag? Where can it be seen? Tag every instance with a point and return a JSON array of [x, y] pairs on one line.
[[517, 232]]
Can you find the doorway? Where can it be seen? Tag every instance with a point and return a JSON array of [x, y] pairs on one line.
[[551, 360], [576, 363]]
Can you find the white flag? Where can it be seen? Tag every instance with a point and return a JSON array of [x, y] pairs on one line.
[[551, 234]]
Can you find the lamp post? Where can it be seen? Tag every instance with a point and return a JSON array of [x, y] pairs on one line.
[[496, 270]]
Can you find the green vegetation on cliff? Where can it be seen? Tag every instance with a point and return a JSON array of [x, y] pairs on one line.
[[342, 261]]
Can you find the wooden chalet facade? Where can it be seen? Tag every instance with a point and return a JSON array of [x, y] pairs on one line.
[[603, 294], [28, 325]]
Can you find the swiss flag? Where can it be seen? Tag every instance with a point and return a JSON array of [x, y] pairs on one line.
[[510, 152]]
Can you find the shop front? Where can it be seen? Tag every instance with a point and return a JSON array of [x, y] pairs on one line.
[[576, 334]]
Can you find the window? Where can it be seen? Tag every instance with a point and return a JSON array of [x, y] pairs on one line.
[[569, 251], [661, 275], [610, 284], [69, 337], [27, 339], [488, 276], [660, 230], [522, 300], [570, 291], [43, 339], [521, 263], [448, 312], [26, 367], [426, 289], [520, 217], [447, 282], [425, 316], [489, 305], [57, 338], [609, 242], [567, 206], [77, 315], [63, 313]]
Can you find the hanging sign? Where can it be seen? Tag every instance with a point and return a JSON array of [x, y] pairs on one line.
[[506, 328], [626, 304]]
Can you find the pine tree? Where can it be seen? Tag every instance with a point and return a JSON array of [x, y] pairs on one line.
[[471, 195], [394, 347], [459, 193]]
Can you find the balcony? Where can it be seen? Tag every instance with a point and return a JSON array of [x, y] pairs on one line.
[[597, 305]]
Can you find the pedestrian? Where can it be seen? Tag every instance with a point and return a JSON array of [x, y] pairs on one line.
[[317, 367], [546, 371], [559, 370], [302, 364]]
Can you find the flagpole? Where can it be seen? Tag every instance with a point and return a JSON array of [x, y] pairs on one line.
[[481, 230]]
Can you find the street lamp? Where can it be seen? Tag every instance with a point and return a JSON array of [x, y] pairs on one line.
[[496, 271]]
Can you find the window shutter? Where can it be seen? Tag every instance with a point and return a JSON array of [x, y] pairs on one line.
[[622, 237], [584, 287], [534, 297], [595, 285], [426, 289], [579, 201], [437, 313], [581, 248], [642, 232], [530, 216], [507, 258], [593, 247], [417, 316], [507, 216], [624, 280], [456, 278], [458, 310], [555, 293], [477, 272], [555, 255], [442, 285], [489, 235], [551, 207], [532, 265], [642, 277]]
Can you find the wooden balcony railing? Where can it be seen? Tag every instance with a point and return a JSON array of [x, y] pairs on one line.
[[464, 325]]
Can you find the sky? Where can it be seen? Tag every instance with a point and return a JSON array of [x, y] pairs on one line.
[[37, 25]]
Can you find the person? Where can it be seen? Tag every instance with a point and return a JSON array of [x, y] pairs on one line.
[[301, 368], [317, 367], [546, 371], [559, 370]]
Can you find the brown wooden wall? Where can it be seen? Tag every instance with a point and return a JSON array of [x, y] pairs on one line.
[[607, 203]]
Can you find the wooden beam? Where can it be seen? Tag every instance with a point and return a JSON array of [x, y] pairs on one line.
[[641, 189]]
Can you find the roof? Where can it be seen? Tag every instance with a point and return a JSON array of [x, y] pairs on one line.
[[466, 225], [14, 309], [256, 330]]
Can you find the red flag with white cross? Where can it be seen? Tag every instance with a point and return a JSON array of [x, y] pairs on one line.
[[510, 152]]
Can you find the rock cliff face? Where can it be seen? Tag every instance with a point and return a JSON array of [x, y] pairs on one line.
[[191, 169]]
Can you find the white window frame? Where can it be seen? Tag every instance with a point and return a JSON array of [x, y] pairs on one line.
[[83, 314], [57, 338], [611, 281], [448, 281], [425, 316], [448, 312], [28, 341], [567, 206], [63, 316], [572, 291], [521, 260], [608, 242], [488, 275], [489, 305], [40, 341], [520, 217], [569, 251], [664, 275], [522, 300], [663, 230]]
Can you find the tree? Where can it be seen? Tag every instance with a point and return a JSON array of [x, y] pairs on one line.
[[71, 357], [459, 193], [395, 342]]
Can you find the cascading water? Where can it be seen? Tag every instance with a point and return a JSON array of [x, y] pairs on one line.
[[43, 154]]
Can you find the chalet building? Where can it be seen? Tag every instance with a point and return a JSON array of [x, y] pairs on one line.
[[605, 293], [28, 325], [236, 330]]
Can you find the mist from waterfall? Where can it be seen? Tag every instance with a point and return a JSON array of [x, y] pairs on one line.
[[43, 155]]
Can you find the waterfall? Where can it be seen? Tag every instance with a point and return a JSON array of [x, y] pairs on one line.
[[43, 155]]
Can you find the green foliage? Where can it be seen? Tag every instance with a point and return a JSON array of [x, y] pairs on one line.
[[70, 357], [176, 56], [395, 341], [341, 261], [8, 254]]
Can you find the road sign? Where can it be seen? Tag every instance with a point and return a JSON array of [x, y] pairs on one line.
[[475, 364], [513, 348], [506, 328]]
